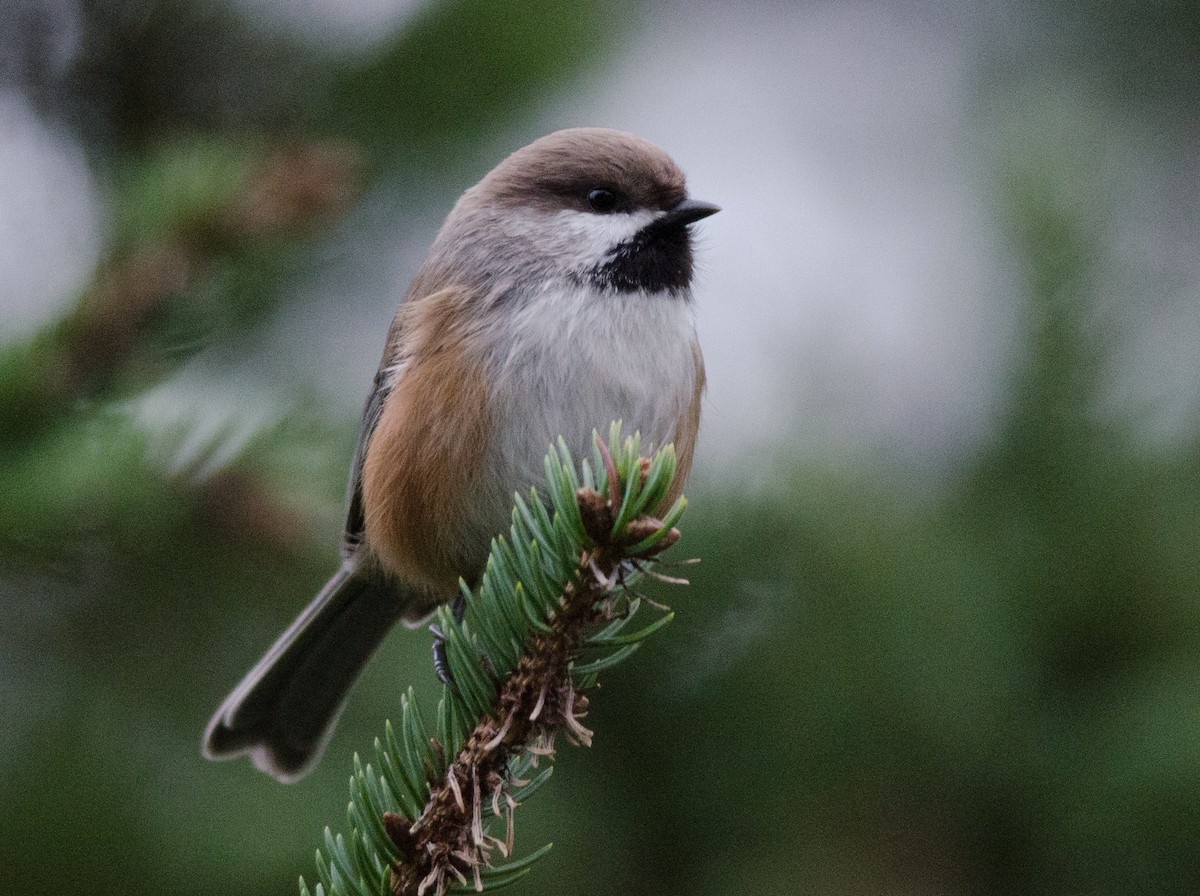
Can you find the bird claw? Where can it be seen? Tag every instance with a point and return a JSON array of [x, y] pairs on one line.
[[441, 665]]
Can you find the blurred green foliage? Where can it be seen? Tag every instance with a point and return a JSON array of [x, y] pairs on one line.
[[991, 688]]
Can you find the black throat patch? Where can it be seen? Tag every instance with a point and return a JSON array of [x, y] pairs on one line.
[[658, 257]]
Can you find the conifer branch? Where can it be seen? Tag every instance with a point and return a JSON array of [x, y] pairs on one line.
[[435, 812], [184, 217]]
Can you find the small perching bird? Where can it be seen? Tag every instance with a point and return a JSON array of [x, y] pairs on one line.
[[555, 299]]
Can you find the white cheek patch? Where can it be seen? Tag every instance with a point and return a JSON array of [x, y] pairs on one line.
[[582, 240]]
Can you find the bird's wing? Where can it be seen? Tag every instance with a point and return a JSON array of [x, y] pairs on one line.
[[385, 379], [352, 535]]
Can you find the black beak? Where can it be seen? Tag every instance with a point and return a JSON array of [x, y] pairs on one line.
[[688, 212]]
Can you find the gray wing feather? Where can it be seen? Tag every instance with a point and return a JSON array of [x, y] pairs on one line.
[[355, 521]]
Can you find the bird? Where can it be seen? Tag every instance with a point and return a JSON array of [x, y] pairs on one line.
[[555, 299]]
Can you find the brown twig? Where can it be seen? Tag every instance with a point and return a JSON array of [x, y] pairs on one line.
[[538, 702]]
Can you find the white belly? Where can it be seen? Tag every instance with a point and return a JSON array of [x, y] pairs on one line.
[[572, 362]]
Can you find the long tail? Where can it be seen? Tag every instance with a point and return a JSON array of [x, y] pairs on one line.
[[284, 711]]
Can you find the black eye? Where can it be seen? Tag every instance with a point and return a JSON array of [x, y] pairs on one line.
[[602, 200]]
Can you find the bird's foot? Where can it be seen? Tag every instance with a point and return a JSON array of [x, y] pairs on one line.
[[441, 666]]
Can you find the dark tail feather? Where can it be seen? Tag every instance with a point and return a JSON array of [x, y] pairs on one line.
[[283, 712]]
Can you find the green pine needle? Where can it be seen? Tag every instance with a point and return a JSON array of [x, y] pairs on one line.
[[433, 814]]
